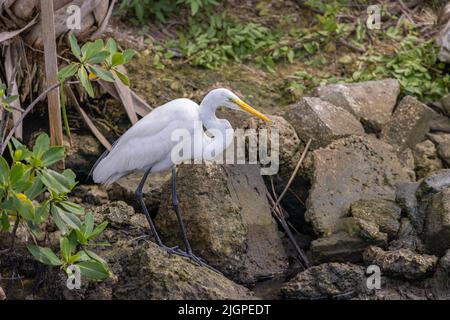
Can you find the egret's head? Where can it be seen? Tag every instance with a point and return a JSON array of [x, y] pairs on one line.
[[228, 99]]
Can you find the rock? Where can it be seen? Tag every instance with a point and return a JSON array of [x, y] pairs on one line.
[[435, 182], [426, 159], [372, 101], [437, 223], [122, 220], [290, 146], [2, 294], [398, 289], [440, 123], [385, 214], [403, 263], [405, 196], [373, 175], [125, 190], [445, 102], [409, 124], [342, 247], [91, 194], [367, 230], [443, 145], [82, 155], [228, 220], [441, 280], [325, 281], [321, 121], [407, 238], [146, 272]]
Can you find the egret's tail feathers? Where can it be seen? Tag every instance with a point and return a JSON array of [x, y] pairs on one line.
[[104, 173]]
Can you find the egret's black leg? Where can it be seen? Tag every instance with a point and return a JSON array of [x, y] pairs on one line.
[[176, 208], [140, 198]]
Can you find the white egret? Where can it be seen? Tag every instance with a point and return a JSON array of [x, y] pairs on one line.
[[146, 147]]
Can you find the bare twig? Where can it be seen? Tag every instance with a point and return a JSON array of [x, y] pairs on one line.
[[294, 174], [351, 46]]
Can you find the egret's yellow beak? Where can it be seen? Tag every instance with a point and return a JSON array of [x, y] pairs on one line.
[[250, 110]]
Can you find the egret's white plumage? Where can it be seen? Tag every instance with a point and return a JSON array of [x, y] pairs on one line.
[[148, 143]]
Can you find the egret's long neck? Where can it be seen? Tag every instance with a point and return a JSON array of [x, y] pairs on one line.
[[221, 129]]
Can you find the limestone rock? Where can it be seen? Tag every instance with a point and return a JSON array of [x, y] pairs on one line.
[[426, 159], [227, 218], [385, 214], [409, 123], [325, 281], [350, 169], [372, 101], [321, 121], [401, 263], [437, 224], [442, 142]]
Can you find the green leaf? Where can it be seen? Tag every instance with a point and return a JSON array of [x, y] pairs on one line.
[[52, 156], [117, 59], [68, 71], [4, 221], [41, 145], [102, 73], [42, 212], [95, 256], [98, 230], [88, 224], [55, 181], [112, 46], [81, 238], [122, 77], [4, 171], [93, 270], [25, 208], [69, 218], [128, 55], [84, 78], [64, 246], [36, 189], [72, 207], [90, 49], [99, 57], [75, 47], [16, 173], [44, 255]]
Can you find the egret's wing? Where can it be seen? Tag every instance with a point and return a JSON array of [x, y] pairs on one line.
[[148, 141]]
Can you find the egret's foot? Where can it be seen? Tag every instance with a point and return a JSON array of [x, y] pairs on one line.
[[202, 262], [174, 250]]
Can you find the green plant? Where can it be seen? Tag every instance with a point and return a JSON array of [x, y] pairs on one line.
[[95, 59], [161, 9], [414, 63], [5, 100], [33, 195]]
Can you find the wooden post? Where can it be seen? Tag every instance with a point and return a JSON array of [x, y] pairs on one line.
[[51, 71]]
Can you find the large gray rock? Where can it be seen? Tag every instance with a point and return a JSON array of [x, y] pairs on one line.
[[385, 214], [406, 197], [442, 142], [403, 263], [437, 223], [407, 238], [350, 169], [321, 121], [426, 159], [434, 183], [409, 123], [372, 102], [326, 281], [441, 279], [228, 220]]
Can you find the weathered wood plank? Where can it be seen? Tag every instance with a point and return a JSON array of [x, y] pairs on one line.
[[51, 71]]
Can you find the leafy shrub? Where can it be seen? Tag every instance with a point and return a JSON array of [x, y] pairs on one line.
[[32, 194], [161, 9]]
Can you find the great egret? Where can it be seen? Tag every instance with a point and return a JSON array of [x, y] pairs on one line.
[[147, 146]]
